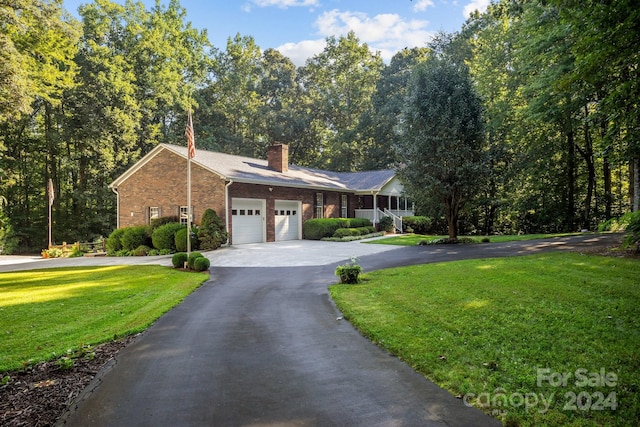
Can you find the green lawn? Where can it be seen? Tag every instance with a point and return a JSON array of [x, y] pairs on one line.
[[414, 239], [504, 333], [45, 313]]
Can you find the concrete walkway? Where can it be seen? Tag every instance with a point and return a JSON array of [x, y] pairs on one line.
[[265, 346]]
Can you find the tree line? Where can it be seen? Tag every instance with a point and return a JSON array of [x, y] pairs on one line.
[[82, 100]]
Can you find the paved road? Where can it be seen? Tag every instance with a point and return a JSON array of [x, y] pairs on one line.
[[260, 346]]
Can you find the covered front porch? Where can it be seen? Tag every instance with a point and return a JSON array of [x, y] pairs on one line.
[[375, 206]]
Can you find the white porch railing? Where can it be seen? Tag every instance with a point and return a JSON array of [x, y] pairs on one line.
[[396, 214], [397, 220]]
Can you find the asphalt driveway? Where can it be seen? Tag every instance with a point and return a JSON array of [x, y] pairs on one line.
[[265, 346]]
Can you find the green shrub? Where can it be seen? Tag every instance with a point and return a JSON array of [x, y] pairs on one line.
[[123, 252], [75, 252], [135, 236], [178, 259], [417, 224], [616, 224], [52, 253], [114, 241], [632, 233], [153, 252], [142, 250], [386, 224], [164, 237], [211, 234], [158, 222], [165, 252], [316, 229], [180, 239], [349, 273], [192, 257], [345, 232], [201, 264], [366, 230]]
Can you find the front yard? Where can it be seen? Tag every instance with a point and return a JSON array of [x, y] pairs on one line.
[[548, 339]]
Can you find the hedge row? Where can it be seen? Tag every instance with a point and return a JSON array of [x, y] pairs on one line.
[[316, 229], [417, 225], [169, 237], [360, 231]]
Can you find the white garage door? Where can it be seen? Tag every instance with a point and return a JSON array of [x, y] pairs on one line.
[[247, 224], [287, 220]]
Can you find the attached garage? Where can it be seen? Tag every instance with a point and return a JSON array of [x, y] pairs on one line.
[[248, 223], [288, 224]]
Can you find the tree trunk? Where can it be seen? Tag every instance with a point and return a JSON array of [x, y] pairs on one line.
[[571, 182], [608, 196], [587, 154], [451, 212], [634, 188]]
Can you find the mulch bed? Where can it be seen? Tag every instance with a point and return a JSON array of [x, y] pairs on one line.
[[39, 395]]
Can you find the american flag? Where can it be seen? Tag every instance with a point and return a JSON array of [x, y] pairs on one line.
[[50, 191], [190, 140]]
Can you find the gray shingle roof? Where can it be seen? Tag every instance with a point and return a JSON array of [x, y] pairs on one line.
[[256, 171]]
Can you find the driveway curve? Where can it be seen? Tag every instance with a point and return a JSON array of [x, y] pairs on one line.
[[265, 346]]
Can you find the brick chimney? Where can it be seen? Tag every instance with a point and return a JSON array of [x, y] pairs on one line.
[[278, 157]]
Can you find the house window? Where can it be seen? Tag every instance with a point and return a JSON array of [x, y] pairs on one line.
[[319, 205], [154, 212], [344, 211], [184, 214]]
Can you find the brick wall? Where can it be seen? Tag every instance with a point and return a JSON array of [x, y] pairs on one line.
[[162, 182], [307, 197]]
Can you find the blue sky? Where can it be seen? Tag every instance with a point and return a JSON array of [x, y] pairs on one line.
[[298, 28]]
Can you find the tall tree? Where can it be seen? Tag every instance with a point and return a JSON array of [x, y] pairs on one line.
[[386, 108], [39, 41], [441, 151], [340, 82]]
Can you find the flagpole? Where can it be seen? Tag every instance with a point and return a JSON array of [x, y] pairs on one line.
[[191, 152], [50, 198], [188, 204], [49, 225]]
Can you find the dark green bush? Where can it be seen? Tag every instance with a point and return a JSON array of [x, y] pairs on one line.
[[316, 229], [417, 224], [114, 241], [181, 239], [201, 264], [157, 222], [134, 236], [141, 250], [349, 274], [164, 237], [178, 259], [345, 232], [632, 232], [211, 234], [366, 230], [192, 257], [386, 224]]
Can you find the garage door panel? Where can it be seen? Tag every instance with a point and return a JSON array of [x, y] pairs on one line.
[[287, 219], [247, 221]]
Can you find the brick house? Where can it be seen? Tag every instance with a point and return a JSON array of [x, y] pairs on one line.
[[258, 200]]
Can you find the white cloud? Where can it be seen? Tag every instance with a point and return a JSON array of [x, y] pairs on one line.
[[283, 4], [298, 53], [422, 5], [479, 5], [387, 33]]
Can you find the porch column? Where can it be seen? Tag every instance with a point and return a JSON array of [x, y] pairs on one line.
[[375, 208]]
